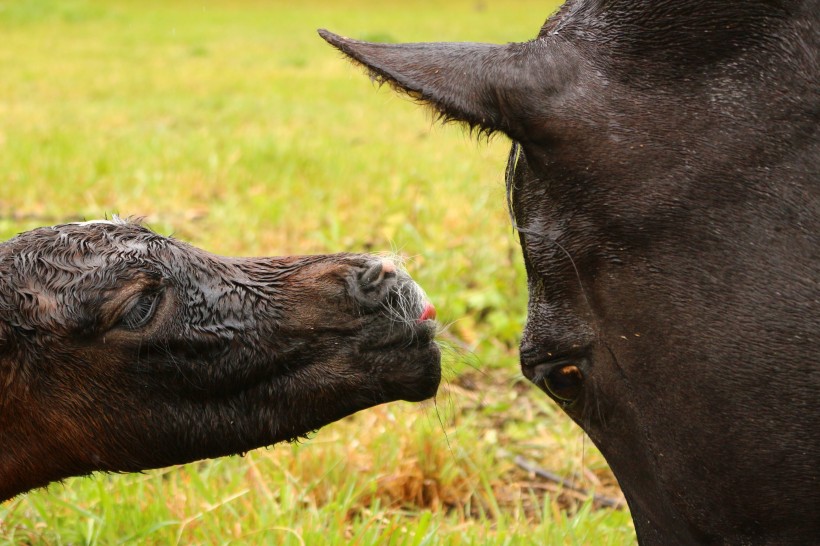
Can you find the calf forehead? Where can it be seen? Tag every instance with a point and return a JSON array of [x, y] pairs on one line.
[[54, 266], [57, 276], [76, 249]]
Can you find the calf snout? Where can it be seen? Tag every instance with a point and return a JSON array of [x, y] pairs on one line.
[[374, 282], [382, 285]]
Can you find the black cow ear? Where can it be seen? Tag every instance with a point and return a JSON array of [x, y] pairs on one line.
[[470, 82]]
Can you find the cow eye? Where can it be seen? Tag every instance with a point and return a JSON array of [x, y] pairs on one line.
[[564, 382], [141, 312]]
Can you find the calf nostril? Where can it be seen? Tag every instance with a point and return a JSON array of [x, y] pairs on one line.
[[371, 275], [374, 283], [376, 273]]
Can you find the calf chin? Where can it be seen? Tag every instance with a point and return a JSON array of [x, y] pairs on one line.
[[121, 350]]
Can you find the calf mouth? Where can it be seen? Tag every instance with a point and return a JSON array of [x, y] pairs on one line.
[[403, 348], [408, 365]]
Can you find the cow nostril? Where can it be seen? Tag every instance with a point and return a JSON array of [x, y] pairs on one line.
[[564, 382]]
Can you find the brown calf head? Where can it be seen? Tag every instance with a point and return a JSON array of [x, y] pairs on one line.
[[122, 350]]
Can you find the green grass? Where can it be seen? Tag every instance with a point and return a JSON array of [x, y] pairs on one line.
[[233, 126]]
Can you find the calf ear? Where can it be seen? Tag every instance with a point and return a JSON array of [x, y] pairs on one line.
[[483, 85]]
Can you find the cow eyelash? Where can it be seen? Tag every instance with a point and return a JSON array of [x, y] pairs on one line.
[[142, 311]]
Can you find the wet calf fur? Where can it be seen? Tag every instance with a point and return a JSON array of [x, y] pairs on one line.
[[122, 350], [663, 180]]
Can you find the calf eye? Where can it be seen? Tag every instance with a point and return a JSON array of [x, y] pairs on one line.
[[141, 312], [564, 382]]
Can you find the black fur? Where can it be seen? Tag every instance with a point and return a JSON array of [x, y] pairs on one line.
[[664, 183]]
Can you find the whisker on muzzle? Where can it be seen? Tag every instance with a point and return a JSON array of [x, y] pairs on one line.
[[408, 303]]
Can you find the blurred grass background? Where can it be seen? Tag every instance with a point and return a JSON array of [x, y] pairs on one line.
[[233, 126]]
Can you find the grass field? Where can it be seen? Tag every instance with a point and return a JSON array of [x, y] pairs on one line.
[[233, 126]]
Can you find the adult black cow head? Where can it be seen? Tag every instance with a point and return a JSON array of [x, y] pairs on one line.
[[663, 179]]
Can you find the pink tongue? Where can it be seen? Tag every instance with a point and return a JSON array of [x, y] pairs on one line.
[[429, 312]]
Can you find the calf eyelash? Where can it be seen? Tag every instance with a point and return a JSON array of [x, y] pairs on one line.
[[141, 312]]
